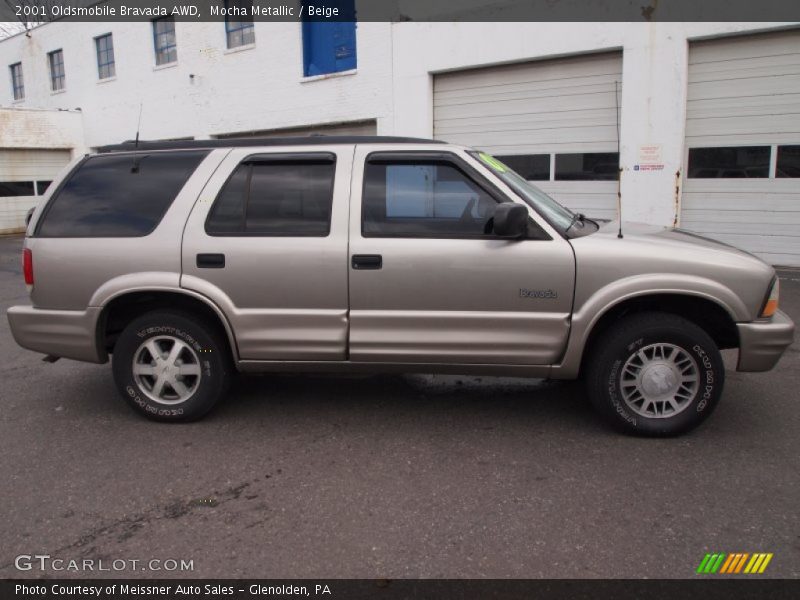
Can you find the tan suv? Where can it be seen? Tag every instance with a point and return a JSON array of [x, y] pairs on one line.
[[189, 261]]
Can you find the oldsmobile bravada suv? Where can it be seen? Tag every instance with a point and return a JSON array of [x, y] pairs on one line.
[[188, 261]]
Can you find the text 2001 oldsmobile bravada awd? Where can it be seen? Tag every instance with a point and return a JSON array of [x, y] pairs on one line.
[[187, 261]]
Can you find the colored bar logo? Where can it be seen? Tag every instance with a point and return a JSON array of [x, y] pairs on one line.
[[732, 564]]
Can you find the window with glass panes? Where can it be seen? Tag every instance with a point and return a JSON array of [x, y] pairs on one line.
[[105, 56]]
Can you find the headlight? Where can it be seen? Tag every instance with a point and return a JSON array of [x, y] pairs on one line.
[[771, 305]]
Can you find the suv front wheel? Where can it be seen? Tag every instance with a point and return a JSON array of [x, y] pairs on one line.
[[655, 374], [169, 367]]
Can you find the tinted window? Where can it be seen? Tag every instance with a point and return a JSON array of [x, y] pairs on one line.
[[282, 197], [593, 166], [122, 195], [733, 162], [788, 161], [533, 167], [16, 188], [423, 199]]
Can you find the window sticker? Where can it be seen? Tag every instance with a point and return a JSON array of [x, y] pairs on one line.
[[493, 162]]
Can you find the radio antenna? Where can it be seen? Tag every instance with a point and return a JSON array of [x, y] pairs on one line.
[[135, 166], [619, 168]]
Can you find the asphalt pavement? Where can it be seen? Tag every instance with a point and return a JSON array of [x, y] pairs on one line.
[[387, 476]]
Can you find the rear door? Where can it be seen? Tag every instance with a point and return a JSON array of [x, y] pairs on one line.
[[267, 242], [430, 283]]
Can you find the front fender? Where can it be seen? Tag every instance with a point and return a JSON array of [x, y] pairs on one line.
[[587, 315]]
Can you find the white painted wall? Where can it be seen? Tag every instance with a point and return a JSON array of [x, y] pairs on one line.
[[254, 88], [263, 88]]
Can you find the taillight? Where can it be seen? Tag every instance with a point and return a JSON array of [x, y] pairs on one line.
[[771, 305], [27, 265]]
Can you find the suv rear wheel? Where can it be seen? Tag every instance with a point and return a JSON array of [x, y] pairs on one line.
[[655, 374], [170, 367]]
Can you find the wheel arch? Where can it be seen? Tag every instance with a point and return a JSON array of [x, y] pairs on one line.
[[708, 314], [121, 309]]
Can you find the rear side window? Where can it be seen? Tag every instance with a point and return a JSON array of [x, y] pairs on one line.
[[280, 197], [118, 195]]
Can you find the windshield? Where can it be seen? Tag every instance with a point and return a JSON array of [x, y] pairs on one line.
[[558, 216]]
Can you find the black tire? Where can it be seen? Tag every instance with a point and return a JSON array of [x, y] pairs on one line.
[[637, 345], [197, 343]]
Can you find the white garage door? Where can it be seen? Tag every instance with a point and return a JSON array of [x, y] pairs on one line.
[[743, 144], [554, 121], [24, 176]]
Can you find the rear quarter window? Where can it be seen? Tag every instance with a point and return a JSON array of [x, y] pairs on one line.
[[118, 195]]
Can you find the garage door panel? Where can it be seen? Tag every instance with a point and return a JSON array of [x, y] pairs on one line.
[[564, 69], [742, 107], [735, 73], [779, 203], [536, 106], [771, 125], [700, 71], [740, 187], [546, 136], [527, 120], [24, 165], [523, 91], [754, 86], [533, 148], [745, 47]]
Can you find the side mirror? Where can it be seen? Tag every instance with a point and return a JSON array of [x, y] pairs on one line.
[[510, 220], [29, 215]]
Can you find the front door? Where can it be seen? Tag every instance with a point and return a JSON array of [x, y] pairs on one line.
[[430, 283]]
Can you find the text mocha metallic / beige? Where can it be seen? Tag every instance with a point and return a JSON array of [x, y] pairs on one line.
[[187, 261]]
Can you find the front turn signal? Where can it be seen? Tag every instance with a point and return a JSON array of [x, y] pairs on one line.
[[771, 305]]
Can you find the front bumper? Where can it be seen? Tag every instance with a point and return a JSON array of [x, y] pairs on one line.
[[761, 343], [62, 333]]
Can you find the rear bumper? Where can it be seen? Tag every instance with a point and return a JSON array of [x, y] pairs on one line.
[[761, 343], [63, 333]]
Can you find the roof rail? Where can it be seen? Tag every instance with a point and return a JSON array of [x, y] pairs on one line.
[[312, 140]]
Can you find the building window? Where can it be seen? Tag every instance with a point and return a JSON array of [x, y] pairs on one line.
[[590, 166], [164, 41], [105, 56], [56, 61], [330, 47], [41, 187], [729, 162], [239, 29], [788, 164], [17, 83], [533, 167], [16, 188]]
